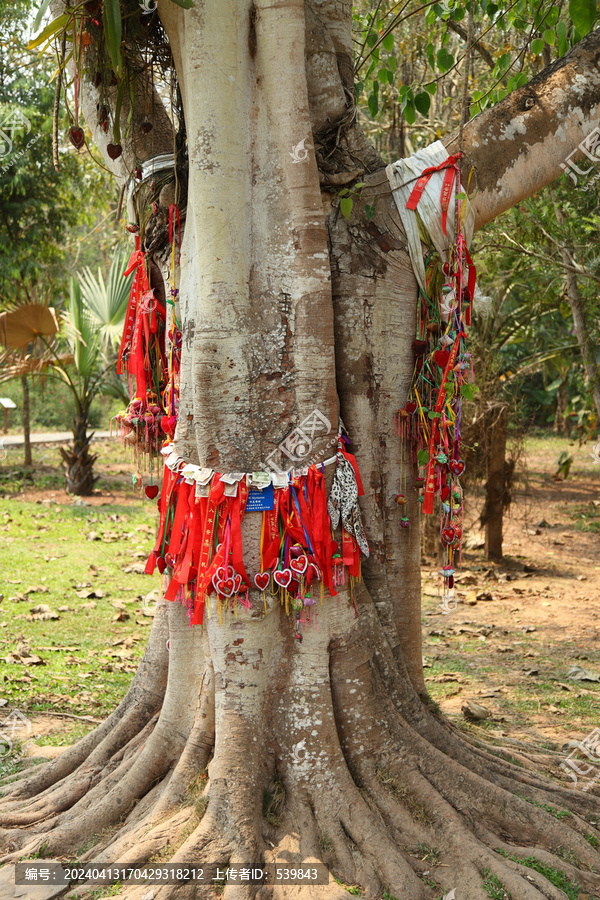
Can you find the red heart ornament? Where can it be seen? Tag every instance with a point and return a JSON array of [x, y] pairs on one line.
[[237, 584], [456, 466], [151, 490], [77, 136], [160, 564], [448, 536], [261, 580], [313, 572], [299, 565], [283, 577], [411, 406], [226, 588], [441, 357], [114, 150]]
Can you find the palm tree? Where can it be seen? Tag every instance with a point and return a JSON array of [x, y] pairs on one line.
[[82, 355]]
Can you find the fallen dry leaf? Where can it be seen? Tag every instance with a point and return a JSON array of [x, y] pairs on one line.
[[135, 568], [121, 616]]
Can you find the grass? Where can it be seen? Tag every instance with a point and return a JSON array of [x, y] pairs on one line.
[[88, 657], [554, 876], [494, 887], [591, 839], [586, 517], [273, 803], [428, 854], [325, 842], [557, 813], [353, 889], [395, 786]]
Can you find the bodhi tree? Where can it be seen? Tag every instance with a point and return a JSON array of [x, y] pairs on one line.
[[287, 307]]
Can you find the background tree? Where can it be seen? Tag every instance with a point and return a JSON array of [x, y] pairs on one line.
[[84, 359], [48, 222], [288, 305]]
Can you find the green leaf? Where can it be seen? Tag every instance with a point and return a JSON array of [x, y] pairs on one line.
[[117, 117], [392, 63], [549, 36], [582, 13], [445, 60], [431, 88], [561, 33], [423, 102], [112, 32], [423, 457], [409, 112], [537, 45], [40, 14], [49, 31], [388, 42], [467, 391], [369, 211], [185, 4], [373, 103], [432, 414], [346, 206], [358, 86]]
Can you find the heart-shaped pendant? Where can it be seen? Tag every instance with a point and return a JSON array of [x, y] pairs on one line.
[[237, 584], [282, 577], [441, 357], [226, 588], [151, 490], [261, 580], [114, 150], [299, 565], [457, 467], [77, 136], [448, 536]]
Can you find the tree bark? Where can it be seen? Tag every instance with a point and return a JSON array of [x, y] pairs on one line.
[[25, 415], [79, 475], [287, 307]]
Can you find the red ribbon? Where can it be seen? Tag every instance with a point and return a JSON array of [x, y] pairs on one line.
[[430, 476], [417, 191]]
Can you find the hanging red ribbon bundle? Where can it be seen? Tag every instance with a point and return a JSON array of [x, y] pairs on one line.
[[142, 356], [200, 538], [429, 422]]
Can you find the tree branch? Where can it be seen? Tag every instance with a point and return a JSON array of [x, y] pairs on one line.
[[518, 146]]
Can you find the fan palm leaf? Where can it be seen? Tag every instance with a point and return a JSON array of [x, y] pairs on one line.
[[107, 300]]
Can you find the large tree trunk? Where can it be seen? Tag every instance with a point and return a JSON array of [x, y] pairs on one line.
[[27, 459], [287, 307]]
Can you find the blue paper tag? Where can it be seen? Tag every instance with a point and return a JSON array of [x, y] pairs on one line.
[[260, 501]]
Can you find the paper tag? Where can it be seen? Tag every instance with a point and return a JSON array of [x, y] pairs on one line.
[[259, 480], [232, 477], [261, 500], [171, 460], [189, 473], [280, 479], [203, 477]]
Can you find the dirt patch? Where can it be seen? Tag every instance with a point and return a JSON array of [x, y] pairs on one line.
[[520, 627]]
